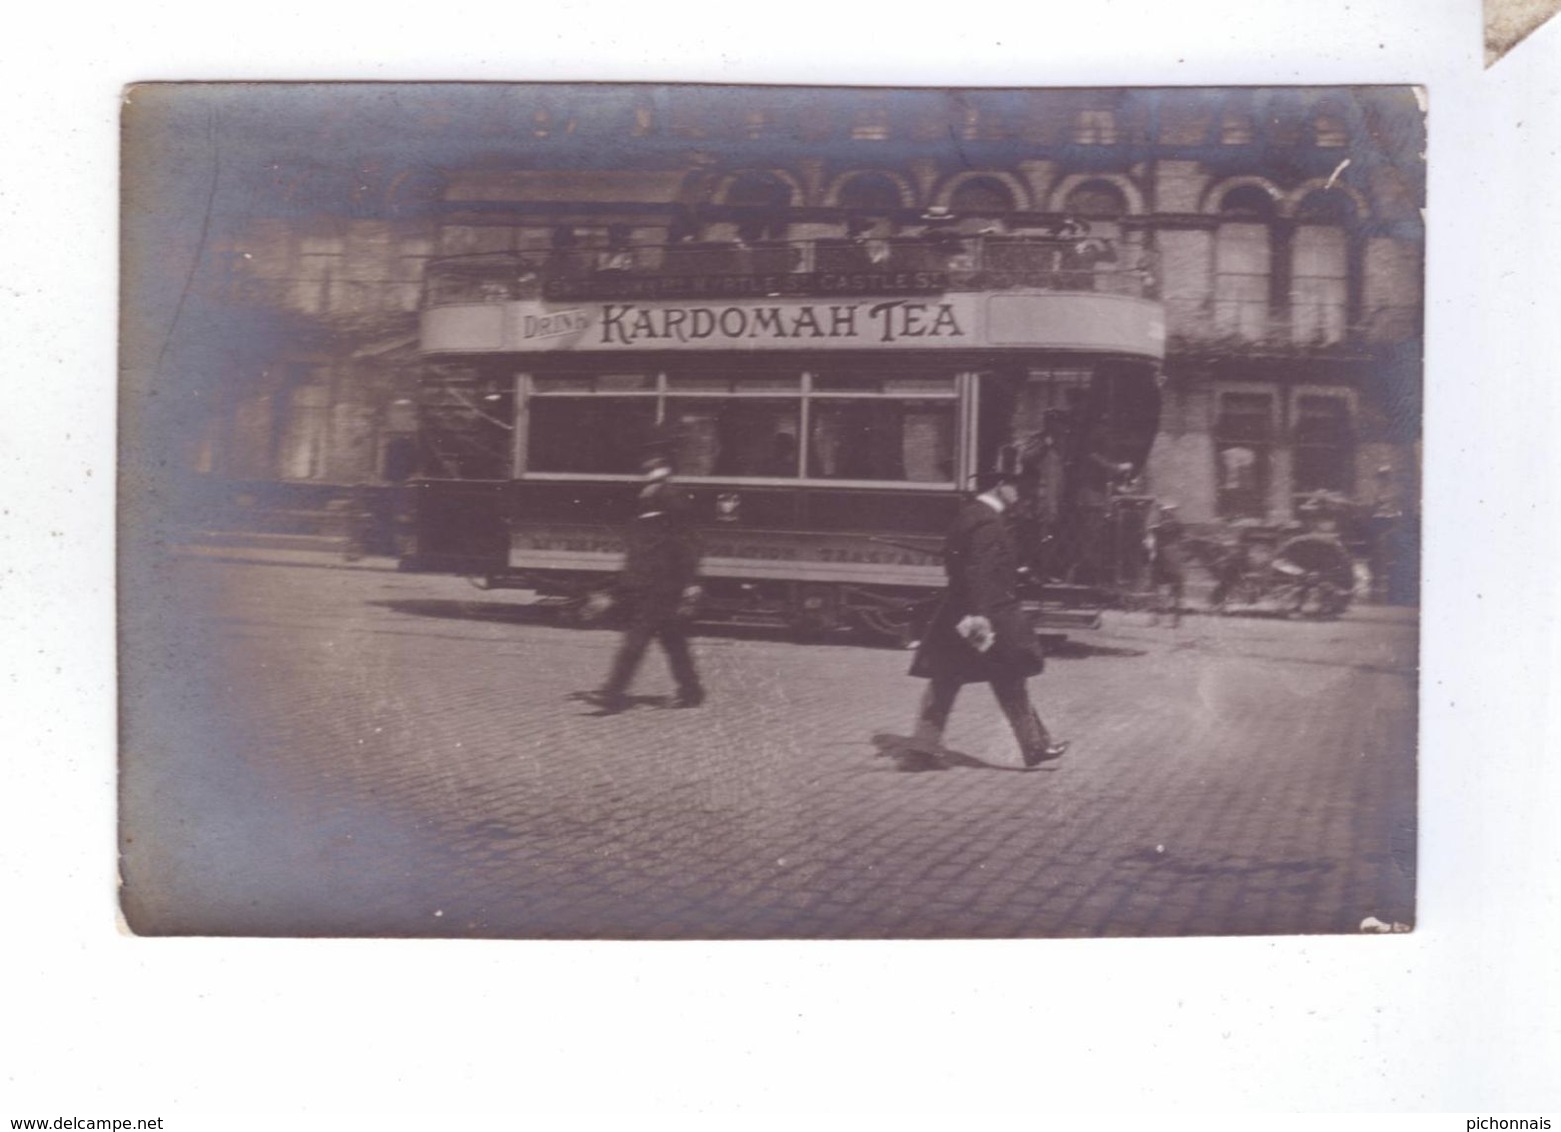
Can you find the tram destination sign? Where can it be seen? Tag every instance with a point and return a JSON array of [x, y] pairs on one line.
[[606, 286]]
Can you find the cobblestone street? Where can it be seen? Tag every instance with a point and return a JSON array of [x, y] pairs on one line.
[[317, 749]]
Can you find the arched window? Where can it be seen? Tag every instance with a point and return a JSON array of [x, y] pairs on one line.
[[982, 196], [1096, 200], [763, 198], [1319, 275], [758, 190], [1243, 262], [1101, 205], [873, 193]]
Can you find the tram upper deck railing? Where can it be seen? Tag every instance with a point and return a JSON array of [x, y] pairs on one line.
[[895, 265]]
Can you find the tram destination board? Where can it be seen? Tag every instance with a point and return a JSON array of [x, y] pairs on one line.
[[809, 283]]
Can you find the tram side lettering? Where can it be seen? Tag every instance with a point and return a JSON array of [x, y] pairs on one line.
[[626, 323]]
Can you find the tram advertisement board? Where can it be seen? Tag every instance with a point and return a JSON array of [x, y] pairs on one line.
[[1092, 321]]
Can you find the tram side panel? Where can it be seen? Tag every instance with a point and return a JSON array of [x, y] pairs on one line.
[[816, 558]]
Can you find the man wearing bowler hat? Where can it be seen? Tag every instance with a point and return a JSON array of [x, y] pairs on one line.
[[981, 633], [656, 590]]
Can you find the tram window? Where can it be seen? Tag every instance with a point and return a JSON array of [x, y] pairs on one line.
[[847, 383], [723, 380], [732, 437], [625, 382], [457, 444], [940, 384], [599, 383], [561, 385], [699, 382], [880, 439], [768, 380], [604, 436]]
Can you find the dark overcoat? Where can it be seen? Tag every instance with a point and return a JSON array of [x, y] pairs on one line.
[[661, 555], [983, 578]]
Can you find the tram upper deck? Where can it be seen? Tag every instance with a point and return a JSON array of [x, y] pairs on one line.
[[949, 292]]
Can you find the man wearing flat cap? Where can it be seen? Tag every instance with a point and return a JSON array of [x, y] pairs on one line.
[[981, 633]]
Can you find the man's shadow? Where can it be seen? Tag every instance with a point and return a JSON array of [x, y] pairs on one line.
[[630, 702], [910, 756], [1066, 648]]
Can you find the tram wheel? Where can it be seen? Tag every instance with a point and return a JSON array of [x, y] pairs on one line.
[[896, 626], [814, 613]]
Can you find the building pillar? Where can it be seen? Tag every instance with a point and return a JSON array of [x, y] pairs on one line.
[[924, 173], [812, 177], [1038, 177]]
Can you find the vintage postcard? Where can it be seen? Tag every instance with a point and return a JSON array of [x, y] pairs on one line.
[[698, 512]]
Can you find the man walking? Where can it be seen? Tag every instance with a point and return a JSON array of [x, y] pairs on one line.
[[1166, 544], [980, 633], [656, 591]]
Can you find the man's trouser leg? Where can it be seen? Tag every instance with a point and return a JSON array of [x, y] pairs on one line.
[[1013, 696], [674, 639], [630, 649], [933, 715]]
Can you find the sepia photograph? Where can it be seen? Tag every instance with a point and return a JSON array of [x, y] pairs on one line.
[[656, 511]]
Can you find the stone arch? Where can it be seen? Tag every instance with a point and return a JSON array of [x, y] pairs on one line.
[[1013, 184], [1216, 192], [1123, 184], [833, 191], [1292, 200], [724, 185]]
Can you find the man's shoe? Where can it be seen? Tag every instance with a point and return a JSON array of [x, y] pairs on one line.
[[1046, 754], [688, 699]]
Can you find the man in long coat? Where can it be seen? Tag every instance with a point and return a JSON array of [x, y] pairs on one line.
[[981, 633], [1167, 547], [656, 591]]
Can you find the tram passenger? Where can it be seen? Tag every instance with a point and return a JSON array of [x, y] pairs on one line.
[[656, 591], [980, 633], [783, 455], [1098, 474]]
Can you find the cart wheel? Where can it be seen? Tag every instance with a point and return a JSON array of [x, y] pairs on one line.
[[1330, 573], [1327, 601]]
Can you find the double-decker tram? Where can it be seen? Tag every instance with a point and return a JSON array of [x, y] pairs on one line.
[[823, 419]]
